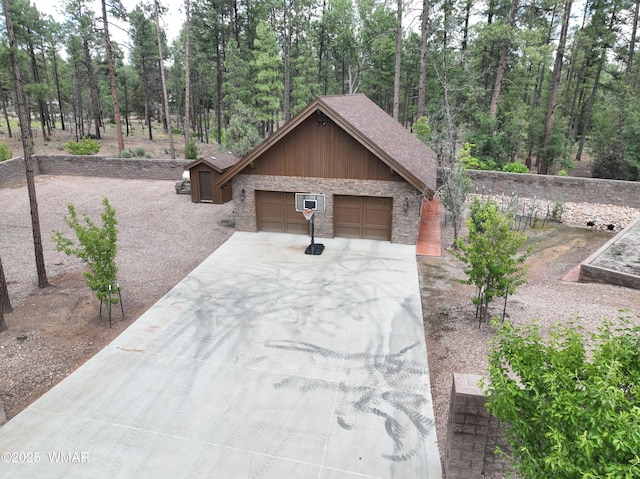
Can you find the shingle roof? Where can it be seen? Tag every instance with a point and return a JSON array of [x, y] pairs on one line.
[[220, 161], [373, 128], [397, 143]]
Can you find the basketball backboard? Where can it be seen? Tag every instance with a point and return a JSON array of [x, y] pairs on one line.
[[310, 201]]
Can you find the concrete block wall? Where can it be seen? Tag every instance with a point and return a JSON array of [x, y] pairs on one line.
[[128, 168], [558, 188], [472, 433], [12, 171], [404, 228]]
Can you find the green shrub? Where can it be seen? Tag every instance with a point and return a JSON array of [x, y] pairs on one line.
[[86, 146], [126, 154], [96, 246], [570, 400], [469, 161], [515, 168], [177, 131], [5, 152], [191, 150], [139, 151]]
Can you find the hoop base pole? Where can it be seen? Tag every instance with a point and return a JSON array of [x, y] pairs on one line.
[[314, 249]]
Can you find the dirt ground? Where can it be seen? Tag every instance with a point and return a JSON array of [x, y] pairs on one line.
[[138, 138]]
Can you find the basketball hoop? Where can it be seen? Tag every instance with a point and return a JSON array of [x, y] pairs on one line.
[[308, 214]]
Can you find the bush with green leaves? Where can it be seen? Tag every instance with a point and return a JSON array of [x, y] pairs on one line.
[[571, 402], [493, 254], [86, 146], [96, 246], [422, 129], [467, 159], [515, 168], [5, 152], [191, 150]]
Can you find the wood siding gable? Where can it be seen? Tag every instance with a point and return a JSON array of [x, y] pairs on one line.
[[319, 148]]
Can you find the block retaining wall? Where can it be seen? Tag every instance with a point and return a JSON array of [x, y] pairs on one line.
[[554, 188], [558, 188], [472, 433], [13, 170]]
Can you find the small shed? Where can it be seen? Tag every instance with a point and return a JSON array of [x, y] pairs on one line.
[[205, 172]]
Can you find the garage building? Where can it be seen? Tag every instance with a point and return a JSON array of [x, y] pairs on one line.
[[373, 172]]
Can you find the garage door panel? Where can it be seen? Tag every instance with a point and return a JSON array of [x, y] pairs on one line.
[[275, 213], [295, 223], [362, 217]]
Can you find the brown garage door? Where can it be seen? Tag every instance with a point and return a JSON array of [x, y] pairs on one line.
[[276, 212], [364, 217]]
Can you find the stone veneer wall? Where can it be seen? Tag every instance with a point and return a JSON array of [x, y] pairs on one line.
[[558, 188], [72, 165], [12, 171], [404, 227], [472, 433]]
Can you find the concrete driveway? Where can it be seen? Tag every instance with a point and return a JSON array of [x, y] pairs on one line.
[[262, 363]]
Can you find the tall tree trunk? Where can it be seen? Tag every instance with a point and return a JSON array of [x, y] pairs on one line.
[[126, 100], [187, 74], [632, 40], [27, 140], [112, 79], [5, 301], [396, 77], [93, 86], [51, 113], [3, 99], [589, 106], [36, 79], [57, 81], [502, 64], [422, 77], [167, 114], [555, 87], [287, 60], [219, 80]]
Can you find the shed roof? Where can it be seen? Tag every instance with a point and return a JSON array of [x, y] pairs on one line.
[[372, 127], [220, 161]]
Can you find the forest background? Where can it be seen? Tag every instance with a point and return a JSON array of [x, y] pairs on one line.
[[537, 82]]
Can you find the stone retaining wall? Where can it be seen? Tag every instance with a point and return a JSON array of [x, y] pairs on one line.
[[558, 188], [12, 171], [552, 188], [472, 433], [76, 165]]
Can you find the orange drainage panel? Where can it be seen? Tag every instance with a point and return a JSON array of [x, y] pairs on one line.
[[429, 237]]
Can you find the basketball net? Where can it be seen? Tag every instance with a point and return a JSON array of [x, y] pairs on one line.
[[308, 214]]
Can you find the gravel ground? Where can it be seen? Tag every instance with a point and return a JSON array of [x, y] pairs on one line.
[[163, 236], [455, 342]]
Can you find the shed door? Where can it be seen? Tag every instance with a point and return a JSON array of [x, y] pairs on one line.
[[276, 212], [206, 189], [365, 217]]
